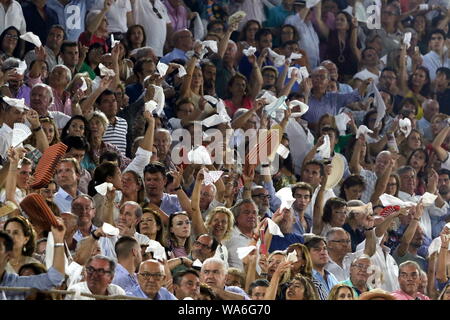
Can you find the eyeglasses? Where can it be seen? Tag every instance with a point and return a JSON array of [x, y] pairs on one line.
[[148, 275], [262, 196], [91, 270], [157, 12], [81, 208], [204, 246], [180, 223], [11, 36], [341, 241]]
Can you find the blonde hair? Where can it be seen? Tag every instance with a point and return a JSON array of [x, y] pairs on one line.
[[100, 116], [230, 224]]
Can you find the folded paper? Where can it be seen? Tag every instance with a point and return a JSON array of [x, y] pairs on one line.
[[84, 86], [379, 103], [104, 188], [311, 3], [157, 250], [304, 72], [162, 68], [200, 155], [113, 41], [236, 17], [211, 177], [31, 37], [242, 252], [407, 39], [292, 257], [17, 103], [295, 56], [21, 68], [277, 59], [212, 44], [363, 130], [303, 108], [105, 71], [282, 151], [249, 51], [428, 199], [405, 126], [325, 149], [197, 263], [181, 71], [286, 198], [341, 122], [388, 200], [274, 229]]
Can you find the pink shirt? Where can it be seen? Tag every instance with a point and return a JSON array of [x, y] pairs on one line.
[[246, 103], [401, 295]]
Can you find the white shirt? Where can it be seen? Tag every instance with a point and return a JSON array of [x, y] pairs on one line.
[[82, 287], [155, 27], [433, 61], [12, 17], [301, 142], [370, 179], [343, 273], [116, 15], [237, 240]]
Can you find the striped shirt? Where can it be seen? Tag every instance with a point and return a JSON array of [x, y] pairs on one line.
[[116, 134]]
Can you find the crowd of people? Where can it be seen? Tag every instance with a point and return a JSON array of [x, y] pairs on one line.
[[225, 149]]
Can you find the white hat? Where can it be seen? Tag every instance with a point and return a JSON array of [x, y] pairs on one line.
[[337, 172]]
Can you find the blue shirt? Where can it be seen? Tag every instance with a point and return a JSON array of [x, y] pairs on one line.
[[64, 200], [330, 103], [71, 16], [163, 294], [134, 91], [42, 281], [124, 279], [324, 285], [35, 23], [276, 16], [173, 55]]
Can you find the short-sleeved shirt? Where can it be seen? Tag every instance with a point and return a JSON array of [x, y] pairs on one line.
[[71, 16], [116, 14], [116, 134]]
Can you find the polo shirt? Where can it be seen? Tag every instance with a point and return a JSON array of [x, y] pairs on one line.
[[124, 279], [163, 294], [324, 285], [173, 55]]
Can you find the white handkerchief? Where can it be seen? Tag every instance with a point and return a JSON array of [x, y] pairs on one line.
[[160, 99], [197, 263], [341, 122], [162, 68], [84, 86], [303, 108], [362, 129], [157, 250], [311, 3], [31, 37], [292, 69], [181, 71], [428, 199], [274, 229], [249, 51], [211, 99], [104, 71], [407, 39], [113, 41], [211, 177], [278, 59], [285, 195], [20, 133], [212, 44], [304, 72], [104, 188], [292, 257], [213, 120], [295, 56], [17, 103], [405, 126], [110, 230], [274, 107], [364, 75], [447, 225], [283, 151], [325, 148], [388, 200], [379, 103], [242, 252], [236, 17], [150, 106], [423, 6], [21, 68], [269, 97], [199, 155]]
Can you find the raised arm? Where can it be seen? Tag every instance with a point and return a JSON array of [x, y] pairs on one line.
[[409, 233], [184, 200], [256, 79], [370, 245], [324, 31], [96, 22], [185, 89], [441, 153], [354, 40], [382, 182], [58, 255], [223, 43], [441, 271], [271, 292], [197, 220], [318, 207], [355, 165]]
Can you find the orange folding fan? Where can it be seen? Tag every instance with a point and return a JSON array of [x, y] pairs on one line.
[[38, 211], [46, 166]]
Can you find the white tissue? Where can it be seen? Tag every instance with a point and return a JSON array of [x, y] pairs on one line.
[[199, 155], [21, 68], [325, 149], [104, 188], [113, 41], [282, 151], [363, 130], [428, 199], [407, 39], [84, 86], [304, 72], [249, 51], [303, 108], [104, 71], [405, 126], [388, 200], [162, 68], [110, 230], [197, 263], [273, 228], [292, 257], [285, 195], [295, 56], [236, 17], [212, 44], [277, 59], [158, 251], [181, 71], [17, 103], [31, 37], [242, 252], [311, 3], [211, 177], [341, 122]]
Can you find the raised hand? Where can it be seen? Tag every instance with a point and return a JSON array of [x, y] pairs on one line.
[[33, 118]]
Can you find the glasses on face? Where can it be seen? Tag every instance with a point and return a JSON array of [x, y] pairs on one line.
[[148, 275], [12, 36], [180, 223], [81, 208], [363, 267], [101, 272], [204, 246], [262, 196]]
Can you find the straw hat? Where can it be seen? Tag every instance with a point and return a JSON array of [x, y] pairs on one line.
[[376, 294]]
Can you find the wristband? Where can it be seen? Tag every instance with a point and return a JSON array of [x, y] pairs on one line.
[[37, 129], [59, 244], [94, 236]]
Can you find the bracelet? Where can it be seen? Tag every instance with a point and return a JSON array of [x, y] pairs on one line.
[[177, 188], [58, 244], [37, 129], [94, 236], [264, 274]]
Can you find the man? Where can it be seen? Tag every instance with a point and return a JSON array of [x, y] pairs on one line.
[[246, 216], [303, 193], [370, 61], [153, 16], [155, 180], [129, 258], [67, 178], [39, 18], [444, 184], [41, 97], [334, 74], [119, 15], [59, 78], [11, 15], [285, 219], [52, 46], [261, 197], [53, 278], [263, 40], [163, 141], [322, 102], [186, 284], [277, 15], [436, 57], [151, 279], [442, 89], [209, 72], [70, 55], [183, 41], [141, 70], [257, 289], [10, 115], [322, 278], [430, 108], [116, 132], [77, 148], [359, 275], [409, 279], [214, 273], [431, 214], [99, 273], [71, 15]]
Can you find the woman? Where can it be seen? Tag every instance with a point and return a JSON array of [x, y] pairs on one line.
[[343, 48], [135, 37], [352, 188], [10, 43], [341, 292], [393, 185], [96, 32], [98, 124], [247, 37], [303, 266], [355, 223], [23, 235], [240, 93], [408, 145], [419, 24], [132, 187], [32, 269], [179, 243], [125, 64], [288, 33], [152, 226], [77, 126], [332, 214], [419, 160], [418, 86], [51, 132], [92, 61]]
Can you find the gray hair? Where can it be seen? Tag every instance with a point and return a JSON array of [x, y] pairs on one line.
[[333, 231], [138, 213], [46, 87], [236, 209], [410, 263], [222, 263], [166, 132], [405, 169], [112, 263], [69, 73], [10, 63]]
